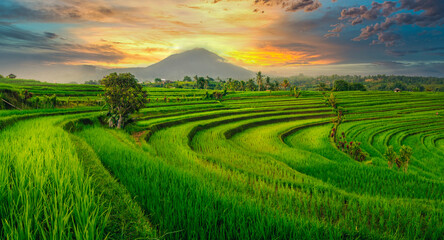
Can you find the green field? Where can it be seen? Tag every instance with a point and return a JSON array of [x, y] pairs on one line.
[[249, 166], [75, 95]]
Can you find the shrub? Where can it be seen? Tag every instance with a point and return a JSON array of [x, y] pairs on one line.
[[391, 156], [402, 160], [296, 92], [330, 100], [217, 95], [404, 156], [352, 148]]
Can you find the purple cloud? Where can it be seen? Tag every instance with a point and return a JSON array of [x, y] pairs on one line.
[[426, 13], [387, 38], [292, 5], [335, 31]]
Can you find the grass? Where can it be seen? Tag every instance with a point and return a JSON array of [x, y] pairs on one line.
[[191, 206], [44, 191], [126, 219], [250, 166]]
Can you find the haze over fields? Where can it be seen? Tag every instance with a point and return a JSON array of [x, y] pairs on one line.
[[198, 61], [63, 40]]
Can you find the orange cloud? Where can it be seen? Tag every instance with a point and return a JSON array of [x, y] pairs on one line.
[[273, 56], [137, 34]]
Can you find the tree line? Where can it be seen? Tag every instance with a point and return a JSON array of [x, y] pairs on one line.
[[259, 83], [339, 82]]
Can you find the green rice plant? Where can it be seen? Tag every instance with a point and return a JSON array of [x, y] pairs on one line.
[[252, 165], [191, 206], [44, 191]]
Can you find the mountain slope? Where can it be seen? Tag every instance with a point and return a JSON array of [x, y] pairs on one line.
[[198, 61]]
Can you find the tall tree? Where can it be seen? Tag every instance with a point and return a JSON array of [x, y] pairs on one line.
[[124, 96], [276, 86], [206, 82], [341, 85], [268, 83], [200, 82], [322, 86], [242, 86], [285, 84], [357, 87], [250, 85], [259, 80]]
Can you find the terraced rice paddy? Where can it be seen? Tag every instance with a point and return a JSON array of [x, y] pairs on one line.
[[83, 94], [247, 167]]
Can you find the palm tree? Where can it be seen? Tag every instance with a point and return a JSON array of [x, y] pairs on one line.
[[242, 85], [259, 79], [250, 85], [196, 78], [268, 83], [200, 82], [285, 84]]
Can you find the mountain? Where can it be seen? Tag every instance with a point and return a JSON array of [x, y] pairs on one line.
[[198, 61]]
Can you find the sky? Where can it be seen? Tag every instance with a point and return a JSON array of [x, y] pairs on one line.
[[278, 37]]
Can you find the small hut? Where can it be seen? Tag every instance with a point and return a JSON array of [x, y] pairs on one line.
[[11, 76], [397, 90]]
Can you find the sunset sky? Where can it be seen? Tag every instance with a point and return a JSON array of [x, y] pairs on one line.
[[279, 37]]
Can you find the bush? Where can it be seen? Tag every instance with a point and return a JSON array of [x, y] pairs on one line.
[[296, 92], [330, 100], [402, 160], [391, 156], [404, 156], [217, 95], [352, 148]]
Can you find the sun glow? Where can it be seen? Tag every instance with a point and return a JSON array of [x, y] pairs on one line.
[[272, 56], [140, 35]]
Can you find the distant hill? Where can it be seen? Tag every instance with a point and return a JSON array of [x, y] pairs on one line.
[[198, 61]]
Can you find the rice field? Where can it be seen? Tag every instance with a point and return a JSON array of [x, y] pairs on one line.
[[82, 94], [249, 166]]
